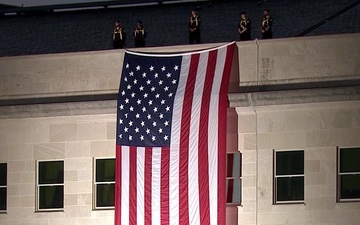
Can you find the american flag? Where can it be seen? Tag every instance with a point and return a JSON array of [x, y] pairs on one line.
[[171, 138]]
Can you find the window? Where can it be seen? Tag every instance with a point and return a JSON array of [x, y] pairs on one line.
[[104, 183], [289, 176], [233, 178], [50, 185], [3, 186], [349, 174]]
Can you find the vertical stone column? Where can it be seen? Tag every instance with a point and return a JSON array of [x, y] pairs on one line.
[[247, 146]]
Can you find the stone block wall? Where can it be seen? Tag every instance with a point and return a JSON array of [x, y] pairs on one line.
[[299, 60], [316, 120], [318, 129], [75, 139]]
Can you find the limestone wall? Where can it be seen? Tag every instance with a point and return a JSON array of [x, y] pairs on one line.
[[299, 60], [74, 139], [78, 132], [277, 61], [316, 128], [67, 74], [60, 74]]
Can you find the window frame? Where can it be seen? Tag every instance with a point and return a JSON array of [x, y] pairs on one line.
[[275, 192], [235, 178], [5, 186], [95, 183], [37, 204], [339, 174]]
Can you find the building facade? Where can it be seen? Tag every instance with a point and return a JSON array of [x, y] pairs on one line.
[[293, 134]]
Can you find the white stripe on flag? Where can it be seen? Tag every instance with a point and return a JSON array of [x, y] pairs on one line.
[[125, 178], [175, 142], [213, 137], [156, 187], [194, 198], [140, 167]]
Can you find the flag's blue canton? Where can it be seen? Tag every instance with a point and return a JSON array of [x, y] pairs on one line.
[[145, 100]]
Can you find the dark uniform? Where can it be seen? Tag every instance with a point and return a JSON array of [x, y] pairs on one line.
[[245, 29], [266, 27], [118, 36], [139, 35], [194, 29]]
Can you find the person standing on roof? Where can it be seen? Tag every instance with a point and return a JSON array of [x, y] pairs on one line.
[[118, 35], [244, 27], [266, 25], [194, 28], [139, 35]]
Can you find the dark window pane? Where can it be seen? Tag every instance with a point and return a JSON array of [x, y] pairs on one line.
[[233, 191], [350, 160], [350, 186], [51, 197], [233, 165], [105, 170], [290, 163], [3, 198], [105, 195], [51, 172], [3, 174], [290, 188]]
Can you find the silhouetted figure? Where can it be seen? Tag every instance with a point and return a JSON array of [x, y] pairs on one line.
[[139, 35], [244, 27], [118, 35], [266, 25], [194, 28]]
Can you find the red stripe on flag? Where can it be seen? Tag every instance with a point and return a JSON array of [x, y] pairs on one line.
[[133, 186], [147, 185], [223, 104], [203, 154], [184, 141], [118, 186], [165, 159]]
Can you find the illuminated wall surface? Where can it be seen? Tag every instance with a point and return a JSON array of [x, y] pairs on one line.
[[294, 117]]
